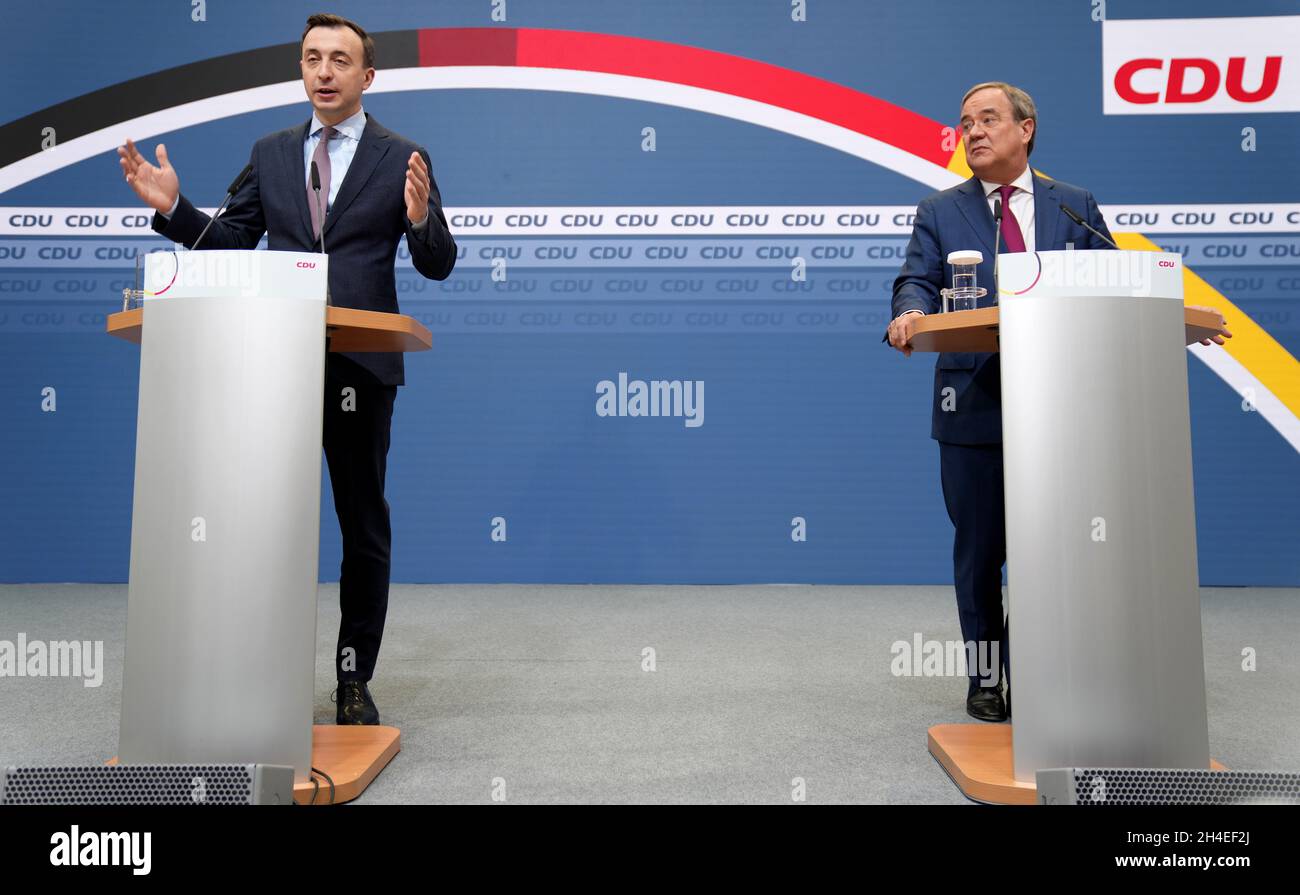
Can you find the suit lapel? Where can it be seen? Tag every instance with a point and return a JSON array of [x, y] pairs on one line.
[[293, 158], [1047, 214], [975, 208], [372, 147]]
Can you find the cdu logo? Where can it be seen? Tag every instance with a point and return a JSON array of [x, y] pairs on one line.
[[1196, 66]]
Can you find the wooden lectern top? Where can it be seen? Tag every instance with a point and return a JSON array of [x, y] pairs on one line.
[[977, 330], [348, 329]]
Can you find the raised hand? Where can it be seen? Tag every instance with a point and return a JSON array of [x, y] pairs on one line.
[[156, 185], [417, 189]]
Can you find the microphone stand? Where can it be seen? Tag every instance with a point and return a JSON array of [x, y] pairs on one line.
[[320, 213], [1078, 219], [997, 243], [230, 194]]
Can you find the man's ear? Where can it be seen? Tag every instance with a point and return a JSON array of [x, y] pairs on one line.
[[370, 79]]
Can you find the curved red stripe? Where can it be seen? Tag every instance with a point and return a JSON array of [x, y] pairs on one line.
[[467, 46], [693, 67]]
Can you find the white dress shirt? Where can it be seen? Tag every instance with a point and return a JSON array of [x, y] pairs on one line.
[[342, 149]]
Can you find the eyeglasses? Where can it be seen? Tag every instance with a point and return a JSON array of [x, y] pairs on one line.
[[988, 122]]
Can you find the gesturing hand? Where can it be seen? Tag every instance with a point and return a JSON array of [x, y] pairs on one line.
[[417, 189], [156, 185]]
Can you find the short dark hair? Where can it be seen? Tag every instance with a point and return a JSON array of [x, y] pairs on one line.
[[329, 20]]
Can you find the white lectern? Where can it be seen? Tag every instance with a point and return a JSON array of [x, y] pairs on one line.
[[1107, 667], [225, 533]]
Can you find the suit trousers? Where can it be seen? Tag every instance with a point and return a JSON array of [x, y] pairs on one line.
[[356, 439], [972, 492]]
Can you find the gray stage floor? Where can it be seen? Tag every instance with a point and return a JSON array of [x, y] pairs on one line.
[[543, 687]]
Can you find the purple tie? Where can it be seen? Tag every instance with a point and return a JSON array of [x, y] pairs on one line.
[[1011, 235], [322, 159]]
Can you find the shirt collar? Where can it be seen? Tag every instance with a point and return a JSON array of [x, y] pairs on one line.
[[348, 127], [1025, 182]]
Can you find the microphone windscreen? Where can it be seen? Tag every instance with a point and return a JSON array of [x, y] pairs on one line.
[[239, 181]]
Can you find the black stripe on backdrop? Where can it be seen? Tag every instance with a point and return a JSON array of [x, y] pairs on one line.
[[175, 86]]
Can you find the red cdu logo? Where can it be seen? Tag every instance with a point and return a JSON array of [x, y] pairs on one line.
[[1177, 89], [310, 265], [1189, 66]]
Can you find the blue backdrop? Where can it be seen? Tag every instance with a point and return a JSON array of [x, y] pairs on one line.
[[806, 413]]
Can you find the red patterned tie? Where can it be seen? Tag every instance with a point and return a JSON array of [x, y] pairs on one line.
[[1011, 235], [322, 159]]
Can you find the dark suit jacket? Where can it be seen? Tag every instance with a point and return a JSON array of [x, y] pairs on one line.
[[362, 227], [959, 218]]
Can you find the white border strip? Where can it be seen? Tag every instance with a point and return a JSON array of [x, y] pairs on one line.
[[488, 77], [186, 115], [1244, 383], [577, 220]]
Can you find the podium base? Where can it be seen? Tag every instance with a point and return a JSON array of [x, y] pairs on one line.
[[978, 759], [352, 754]]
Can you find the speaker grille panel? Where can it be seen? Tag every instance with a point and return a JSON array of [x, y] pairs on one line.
[[1179, 786], [183, 784]]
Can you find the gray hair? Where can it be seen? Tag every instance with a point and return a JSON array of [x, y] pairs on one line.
[[1022, 105]]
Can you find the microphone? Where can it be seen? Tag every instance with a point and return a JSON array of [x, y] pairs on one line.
[[997, 243], [320, 209], [234, 188], [1075, 216]]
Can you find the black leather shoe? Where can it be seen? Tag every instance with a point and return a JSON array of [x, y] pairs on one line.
[[355, 705], [985, 704], [1008, 702]]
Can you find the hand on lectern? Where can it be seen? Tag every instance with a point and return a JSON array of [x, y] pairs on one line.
[[156, 185], [900, 331], [1223, 325]]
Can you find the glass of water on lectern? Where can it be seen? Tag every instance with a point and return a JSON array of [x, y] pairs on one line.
[[965, 292]]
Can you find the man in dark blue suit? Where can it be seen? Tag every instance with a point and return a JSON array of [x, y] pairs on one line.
[[998, 124], [375, 188]]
